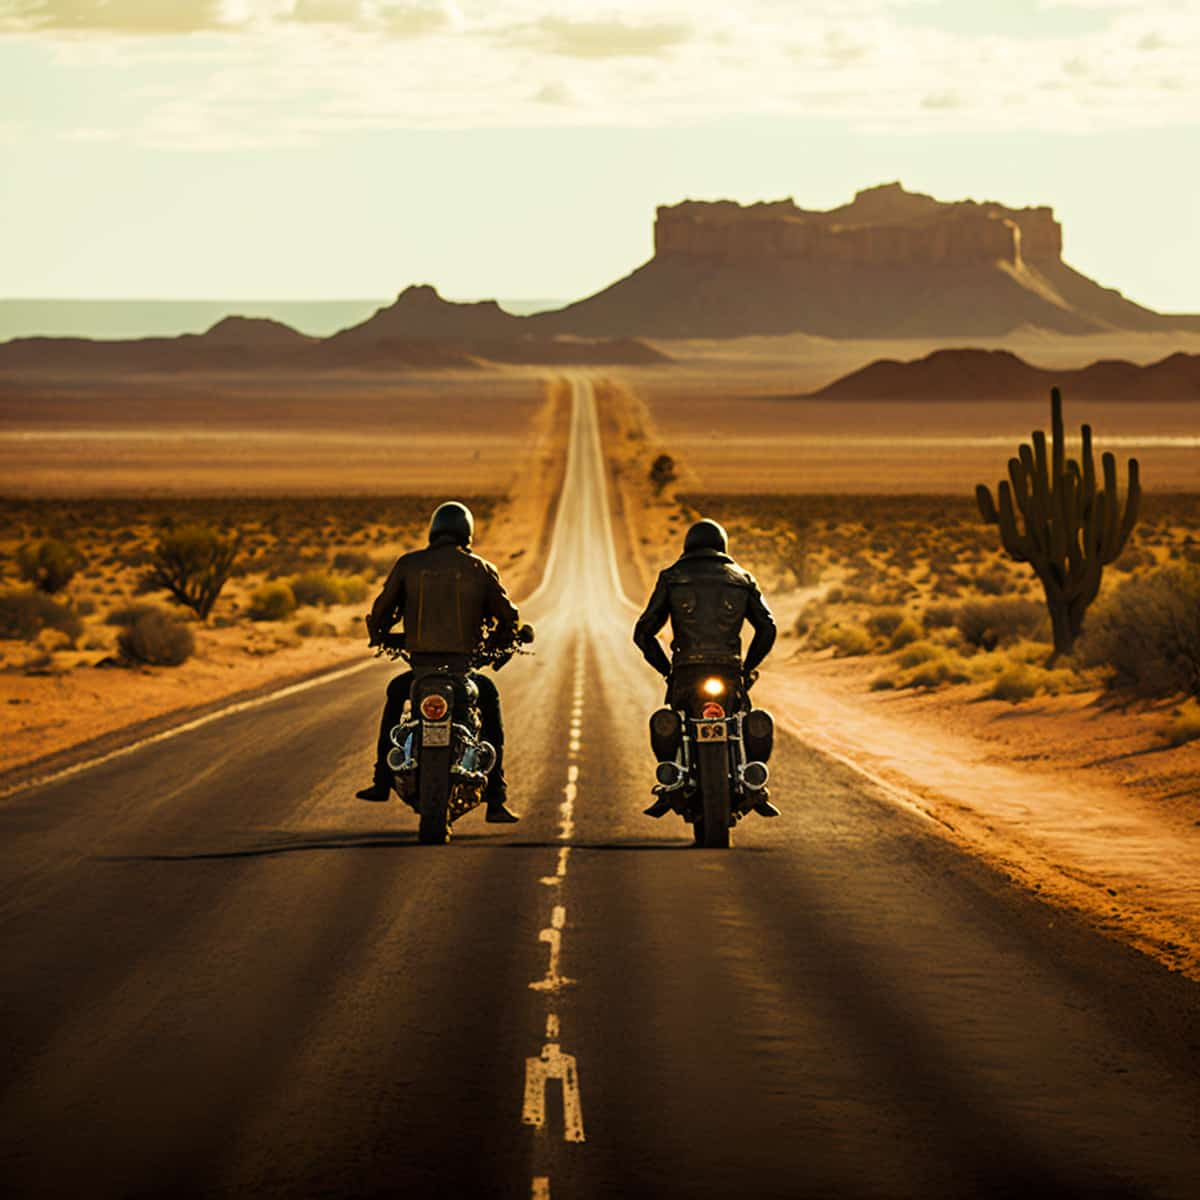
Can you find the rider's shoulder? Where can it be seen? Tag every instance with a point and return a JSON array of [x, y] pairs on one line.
[[482, 564]]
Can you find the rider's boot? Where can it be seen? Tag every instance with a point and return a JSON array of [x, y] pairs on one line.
[[377, 793], [764, 807], [498, 812]]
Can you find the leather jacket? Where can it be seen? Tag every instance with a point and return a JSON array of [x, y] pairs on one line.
[[450, 600], [707, 597]]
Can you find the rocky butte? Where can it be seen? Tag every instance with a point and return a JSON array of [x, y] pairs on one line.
[[891, 263]]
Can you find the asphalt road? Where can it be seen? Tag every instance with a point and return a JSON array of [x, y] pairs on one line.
[[221, 975]]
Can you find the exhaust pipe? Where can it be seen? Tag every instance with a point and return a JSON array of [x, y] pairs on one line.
[[670, 775], [754, 776]]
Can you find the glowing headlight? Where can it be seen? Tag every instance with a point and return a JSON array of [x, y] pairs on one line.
[[713, 687]]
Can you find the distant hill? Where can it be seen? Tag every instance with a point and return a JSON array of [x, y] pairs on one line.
[[982, 375], [421, 331], [889, 264]]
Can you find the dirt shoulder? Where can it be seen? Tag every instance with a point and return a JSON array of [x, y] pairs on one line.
[[63, 703], [1078, 800]]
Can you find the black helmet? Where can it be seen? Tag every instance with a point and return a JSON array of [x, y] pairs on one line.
[[705, 535], [454, 522]]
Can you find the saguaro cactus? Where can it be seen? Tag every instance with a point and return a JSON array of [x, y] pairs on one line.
[[1069, 528]]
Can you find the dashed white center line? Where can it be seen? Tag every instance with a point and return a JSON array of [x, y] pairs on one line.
[[552, 1063]]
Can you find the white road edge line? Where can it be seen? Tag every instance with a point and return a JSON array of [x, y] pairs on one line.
[[187, 727]]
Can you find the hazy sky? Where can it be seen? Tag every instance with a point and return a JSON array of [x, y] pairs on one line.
[[334, 148]]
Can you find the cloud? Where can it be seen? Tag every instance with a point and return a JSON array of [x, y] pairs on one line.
[[321, 12], [604, 39], [285, 79], [123, 16]]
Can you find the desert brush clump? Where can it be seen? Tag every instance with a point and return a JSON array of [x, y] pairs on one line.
[[1070, 528], [49, 565], [1146, 633], [321, 589], [923, 665], [1184, 725], [192, 563], [273, 601], [987, 624], [157, 638], [25, 612]]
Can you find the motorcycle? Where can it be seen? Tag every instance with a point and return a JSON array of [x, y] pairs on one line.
[[439, 760], [712, 750]]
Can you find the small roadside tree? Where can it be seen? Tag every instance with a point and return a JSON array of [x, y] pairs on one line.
[[662, 472], [49, 565], [192, 563]]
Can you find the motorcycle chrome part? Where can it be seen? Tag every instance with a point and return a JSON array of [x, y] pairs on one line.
[[754, 776], [670, 775]]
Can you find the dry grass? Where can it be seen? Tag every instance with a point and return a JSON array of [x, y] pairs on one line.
[[291, 552]]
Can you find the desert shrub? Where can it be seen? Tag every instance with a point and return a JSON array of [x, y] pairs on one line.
[[49, 564], [918, 652], [318, 588], [995, 581], [354, 589], [24, 613], [1146, 633], [311, 624], [356, 562], [1017, 682], [272, 602], [126, 614], [885, 622], [1184, 726], [157, 638], [847, 640], [939, 616], [192, 563], [906, 632], [1133, 558], [991, 623], [941, 669]]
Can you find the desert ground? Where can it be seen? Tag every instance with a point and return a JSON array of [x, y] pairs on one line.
[[311, 553], [893, 598]]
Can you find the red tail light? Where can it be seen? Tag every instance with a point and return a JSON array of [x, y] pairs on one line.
[[434, 707], [711, 711]]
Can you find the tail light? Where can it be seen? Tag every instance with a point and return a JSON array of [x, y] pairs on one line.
[[713, 686], [434, 707], [712, 711]]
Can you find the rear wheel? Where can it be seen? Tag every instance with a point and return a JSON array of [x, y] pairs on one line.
[[713, 830], [433, 783]]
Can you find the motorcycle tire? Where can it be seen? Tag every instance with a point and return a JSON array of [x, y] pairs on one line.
[[713, 831], [433, 784]]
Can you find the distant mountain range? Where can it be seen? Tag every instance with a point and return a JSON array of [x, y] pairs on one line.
[[890, 264], [419, 332], [983, 375]]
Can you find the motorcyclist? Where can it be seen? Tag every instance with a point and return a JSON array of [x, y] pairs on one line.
[[451, 602], [707, 597]]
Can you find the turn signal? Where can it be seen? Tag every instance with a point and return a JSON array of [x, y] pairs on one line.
[[434, 707]]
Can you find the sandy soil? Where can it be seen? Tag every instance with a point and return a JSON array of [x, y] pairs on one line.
[[1080, 801], [54, 697], [347, 434], [721, 410]]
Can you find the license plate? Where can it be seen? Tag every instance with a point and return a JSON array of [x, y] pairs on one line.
[[435, 733], [713, 731]]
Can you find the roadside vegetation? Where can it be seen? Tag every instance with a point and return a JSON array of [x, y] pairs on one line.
[[147, 583], [922, 587]]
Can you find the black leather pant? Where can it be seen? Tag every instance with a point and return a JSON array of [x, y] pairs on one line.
[[489, 716]]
